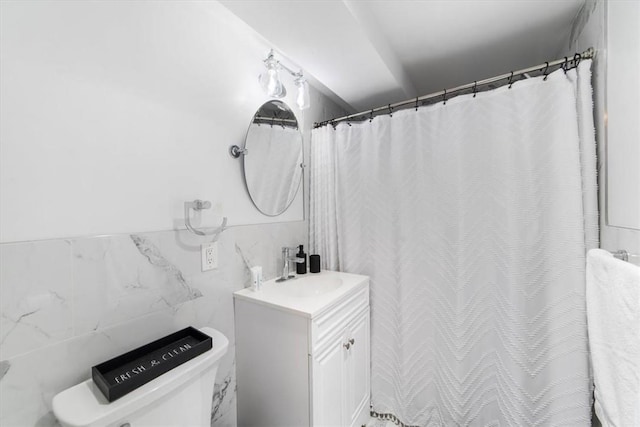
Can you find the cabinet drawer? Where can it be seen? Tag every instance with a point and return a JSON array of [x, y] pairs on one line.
[[334, 320]]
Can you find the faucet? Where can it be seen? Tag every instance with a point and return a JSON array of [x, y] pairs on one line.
[[286, 259]]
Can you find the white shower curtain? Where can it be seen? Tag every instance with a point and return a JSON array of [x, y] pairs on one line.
[[472, 220], [274, 159]]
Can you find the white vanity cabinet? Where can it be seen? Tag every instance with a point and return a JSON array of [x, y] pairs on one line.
[[304, 361]]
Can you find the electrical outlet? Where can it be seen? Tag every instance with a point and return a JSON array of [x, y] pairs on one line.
[[209, 256]]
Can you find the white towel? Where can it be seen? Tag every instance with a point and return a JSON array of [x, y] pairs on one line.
[[613, 317]]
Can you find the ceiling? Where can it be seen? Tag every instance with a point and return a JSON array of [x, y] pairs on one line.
[[365, 54]]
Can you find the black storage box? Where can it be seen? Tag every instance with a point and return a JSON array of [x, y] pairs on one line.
[[127, 372]]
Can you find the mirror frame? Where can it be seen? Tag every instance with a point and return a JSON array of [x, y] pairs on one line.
[[245, 153]]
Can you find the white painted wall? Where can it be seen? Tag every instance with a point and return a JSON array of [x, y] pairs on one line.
[[623, 114], [115, 113], [589, 30]]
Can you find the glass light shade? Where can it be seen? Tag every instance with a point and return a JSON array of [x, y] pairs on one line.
[[303, 93], [270, 80]]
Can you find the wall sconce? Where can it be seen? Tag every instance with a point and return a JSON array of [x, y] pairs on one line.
[[272, 86]]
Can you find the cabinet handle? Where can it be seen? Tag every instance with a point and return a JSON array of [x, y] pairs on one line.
[[352, 341], [347, 346]]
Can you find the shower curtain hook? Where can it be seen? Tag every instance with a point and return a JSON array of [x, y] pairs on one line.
[[511, 80], [371, 116], [545, 71], [475, 88], [576, 60], [390, 111], [417, 97], [564, 66], [444, 97]]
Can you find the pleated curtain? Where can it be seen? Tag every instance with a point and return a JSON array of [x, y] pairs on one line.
[[472, 219]]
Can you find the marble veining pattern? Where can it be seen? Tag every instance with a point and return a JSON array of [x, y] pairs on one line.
[[96, 298], [35, 295], [4, 368], [223, 399], [183, 291]]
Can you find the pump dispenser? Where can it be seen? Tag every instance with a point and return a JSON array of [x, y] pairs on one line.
[[301, 267]]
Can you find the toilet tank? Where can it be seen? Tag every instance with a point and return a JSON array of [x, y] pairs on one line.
[[180, 397]]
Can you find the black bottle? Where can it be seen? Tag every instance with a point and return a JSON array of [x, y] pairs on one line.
[[301, 267], [314, 263]]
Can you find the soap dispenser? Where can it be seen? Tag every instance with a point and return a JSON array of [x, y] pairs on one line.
[[301, 267]]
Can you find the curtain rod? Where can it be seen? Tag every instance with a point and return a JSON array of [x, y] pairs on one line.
[[587, 54]]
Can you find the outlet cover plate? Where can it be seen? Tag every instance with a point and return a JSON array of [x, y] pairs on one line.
[[209, 256]]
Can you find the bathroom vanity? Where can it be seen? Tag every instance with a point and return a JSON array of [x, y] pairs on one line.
[[303, 352]]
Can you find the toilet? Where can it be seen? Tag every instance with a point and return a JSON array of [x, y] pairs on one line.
[[180, 397]]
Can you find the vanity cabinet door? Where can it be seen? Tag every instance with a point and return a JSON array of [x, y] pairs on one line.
[[329, 370], [358, 370], [341, 375]]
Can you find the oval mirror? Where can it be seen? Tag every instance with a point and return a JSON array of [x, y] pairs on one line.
[[273, 158]]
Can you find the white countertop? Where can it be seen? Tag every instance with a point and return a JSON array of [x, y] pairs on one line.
[[295, 295]]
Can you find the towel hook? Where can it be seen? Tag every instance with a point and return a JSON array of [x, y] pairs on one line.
[[198, 205]]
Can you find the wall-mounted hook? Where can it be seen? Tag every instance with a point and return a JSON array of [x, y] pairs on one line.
[[198, 205]]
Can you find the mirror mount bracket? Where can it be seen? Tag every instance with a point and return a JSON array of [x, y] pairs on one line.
[[236, 151]]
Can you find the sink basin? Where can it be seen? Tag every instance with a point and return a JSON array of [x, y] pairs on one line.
[[310, 286], [307, 295]]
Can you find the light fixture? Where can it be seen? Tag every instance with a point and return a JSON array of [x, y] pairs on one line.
[[271, 84], [270, 79], [303, 92]]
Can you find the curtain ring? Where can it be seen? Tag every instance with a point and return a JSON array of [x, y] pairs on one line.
[[511, 80], [417, 102], [576, 60], [390, 111], [475, 88], [444, 97], [333, 124], [545, 71], [564, 66]]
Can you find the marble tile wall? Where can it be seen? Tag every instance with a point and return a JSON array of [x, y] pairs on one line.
[[69, 304]]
